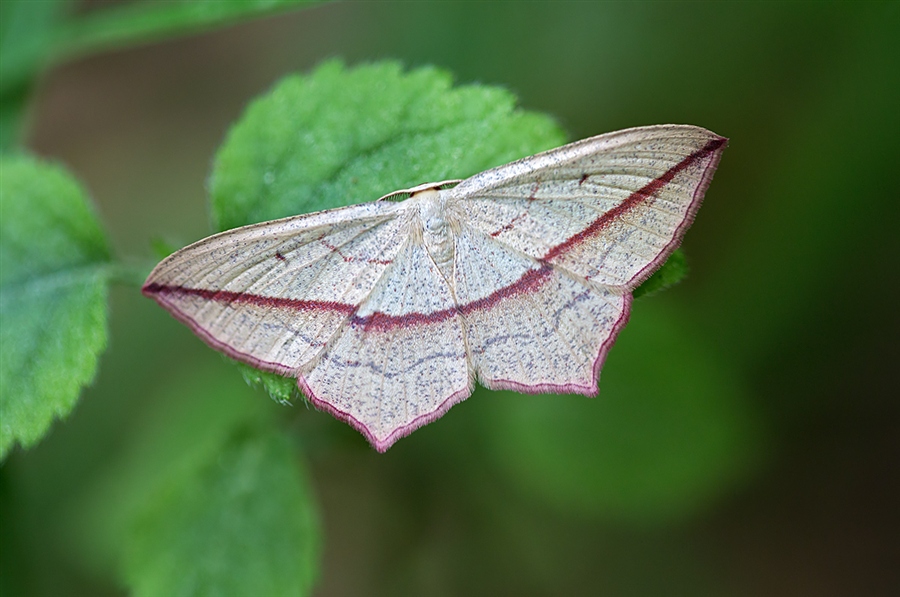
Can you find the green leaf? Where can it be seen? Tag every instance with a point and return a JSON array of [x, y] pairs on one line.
[[53, 284], [26, 30], [671, 273], [241, 526], [341, 136], [207, 498], [281, 389], [670, 430], [137, 22]]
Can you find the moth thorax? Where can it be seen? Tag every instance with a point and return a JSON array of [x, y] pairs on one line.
[[435, 226]]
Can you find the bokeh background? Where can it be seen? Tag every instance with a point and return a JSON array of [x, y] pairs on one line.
[[745, 439]]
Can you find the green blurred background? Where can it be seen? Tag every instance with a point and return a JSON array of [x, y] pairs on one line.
[[745, 439]]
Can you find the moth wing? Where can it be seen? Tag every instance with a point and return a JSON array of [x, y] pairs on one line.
[[532, 326], [610, 208], [274, 294], [400, 361]]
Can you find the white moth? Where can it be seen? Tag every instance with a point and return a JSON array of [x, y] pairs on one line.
[[520, 276]]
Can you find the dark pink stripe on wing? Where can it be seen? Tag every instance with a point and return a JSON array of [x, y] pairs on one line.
[[635, 199], [225, 296], [529, 282]]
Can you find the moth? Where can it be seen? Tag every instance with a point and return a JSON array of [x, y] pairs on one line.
[[387, 312]]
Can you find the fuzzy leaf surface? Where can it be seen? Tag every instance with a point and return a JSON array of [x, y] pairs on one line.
[[53, 285]]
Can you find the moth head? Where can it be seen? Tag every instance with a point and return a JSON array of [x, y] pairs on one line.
[[404, 194]]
